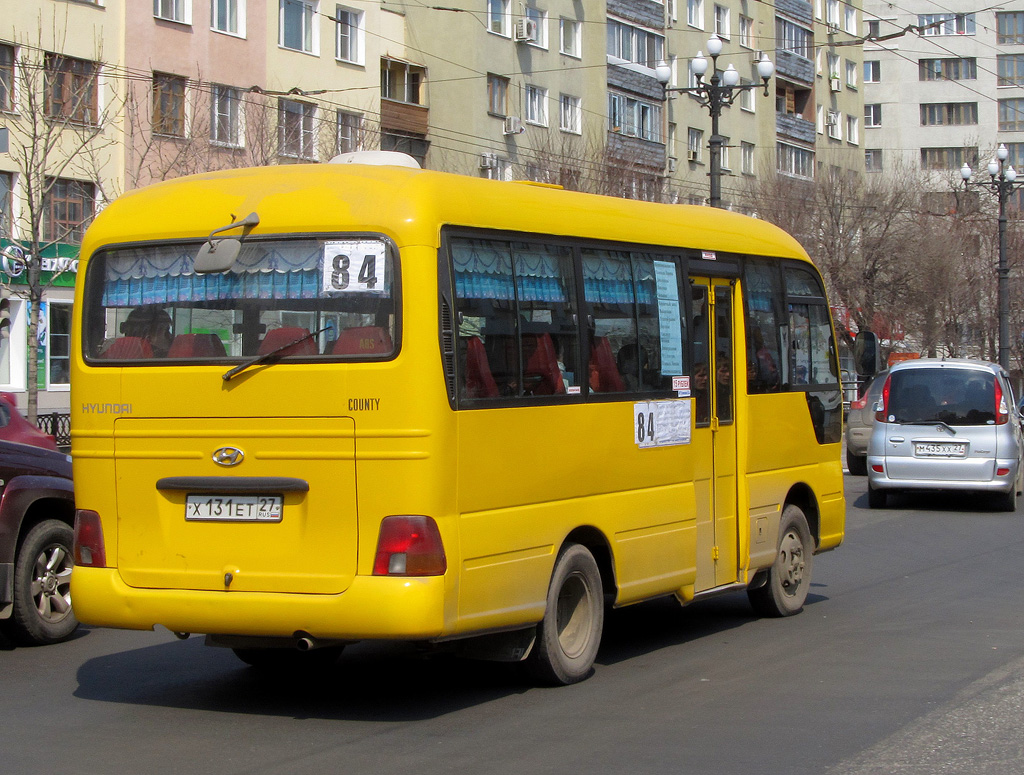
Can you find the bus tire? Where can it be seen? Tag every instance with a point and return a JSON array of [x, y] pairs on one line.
[[289, 660], [42, 586], [570, 633], [789, 578]]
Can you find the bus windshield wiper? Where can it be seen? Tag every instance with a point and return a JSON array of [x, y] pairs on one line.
[[270, 355]]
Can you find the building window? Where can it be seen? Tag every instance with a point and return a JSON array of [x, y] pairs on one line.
[[747, 158], [748, 97], [540, 20], [1011, 69], [71, 89], [499, 19], [938, 24], [722, 22], [851, 73], [402, 82], [297, 24], [497, 95], [350, 132], [1010, 28], [536, 105], [793, 38], [627, 43], [228, 16], [569, 37], [225, 118], [852, 130], [832, 13], [833, 125], [68, 207], [1011, 115], [948, 159], [873, 160], [58, 350], [819, 119], [6, 78], [850, 19], [634, 117], [791, 160], [169, 104], [695, 13], [173, 10], [947, 69], [296, 133], [570, 116], [349, 43], [694, 145], [949, 113], [874, 29], [872, 71], [873, 114], [746, 31], [6, 213]]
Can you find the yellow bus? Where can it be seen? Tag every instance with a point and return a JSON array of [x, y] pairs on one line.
[[320, 404]]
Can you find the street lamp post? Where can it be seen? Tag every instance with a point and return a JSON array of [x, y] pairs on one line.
[[1002, 183], [718, 92]]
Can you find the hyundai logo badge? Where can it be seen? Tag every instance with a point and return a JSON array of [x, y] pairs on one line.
[[228, 456]]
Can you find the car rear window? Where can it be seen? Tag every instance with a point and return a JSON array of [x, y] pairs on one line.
[[952, 396]]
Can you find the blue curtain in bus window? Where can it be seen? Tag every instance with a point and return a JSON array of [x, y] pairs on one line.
[[483, 269], [607, 279], [539, 273]]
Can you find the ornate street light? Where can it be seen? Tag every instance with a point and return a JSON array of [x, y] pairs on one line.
[[718, 92], [1002, 183]]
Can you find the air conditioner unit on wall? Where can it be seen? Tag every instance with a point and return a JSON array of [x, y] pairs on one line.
[[832, 118], [673, 163], [692, 154], [526, 31], [513, 125], [488, 161], [834, 85]]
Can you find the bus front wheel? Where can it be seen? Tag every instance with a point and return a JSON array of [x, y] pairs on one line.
[[570, 633], [789, 578]]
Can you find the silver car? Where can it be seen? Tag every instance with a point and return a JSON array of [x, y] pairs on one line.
[[859, 422], [946, 425]]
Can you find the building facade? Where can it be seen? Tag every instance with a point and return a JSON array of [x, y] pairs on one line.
[[554, 91]]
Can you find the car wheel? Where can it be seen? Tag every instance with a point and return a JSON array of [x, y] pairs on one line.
[[789, 578], [42, 586], [857, 465], [570, 632], [877, 498], [1007, 501]]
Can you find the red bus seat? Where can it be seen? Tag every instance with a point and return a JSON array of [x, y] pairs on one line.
[[604, 374], [278, 337], [196, 346], [542, 377], [363, 340], [128, 348], [479, 380]]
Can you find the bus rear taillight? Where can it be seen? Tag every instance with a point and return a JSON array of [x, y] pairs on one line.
[[89, 548], [880, 415], [409, 546]]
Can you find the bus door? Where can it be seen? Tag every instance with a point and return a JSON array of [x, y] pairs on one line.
[[714, 432]]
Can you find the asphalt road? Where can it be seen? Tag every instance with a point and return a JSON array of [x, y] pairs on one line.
[[908, 658]]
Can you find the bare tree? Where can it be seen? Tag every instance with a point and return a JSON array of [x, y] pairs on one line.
[[60, 137]]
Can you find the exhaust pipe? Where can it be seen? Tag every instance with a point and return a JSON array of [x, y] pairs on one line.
[[305, 643]]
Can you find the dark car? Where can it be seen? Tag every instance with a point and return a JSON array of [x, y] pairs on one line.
[[37, 515]]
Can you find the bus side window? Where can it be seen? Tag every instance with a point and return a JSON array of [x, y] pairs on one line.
[[761, 298], [611, 303]]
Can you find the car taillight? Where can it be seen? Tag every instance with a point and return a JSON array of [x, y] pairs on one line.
[[860, 403], [89, 548], [1002, 410], [880, 415], [409, 546]]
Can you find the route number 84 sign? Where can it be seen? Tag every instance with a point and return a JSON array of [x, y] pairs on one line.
[[661, 423], [354, 266]]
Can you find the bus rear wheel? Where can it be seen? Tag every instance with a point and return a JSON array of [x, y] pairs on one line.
[[789, 578], [570, 633]]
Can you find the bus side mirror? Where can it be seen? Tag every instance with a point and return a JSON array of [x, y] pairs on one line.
[[867, 354]]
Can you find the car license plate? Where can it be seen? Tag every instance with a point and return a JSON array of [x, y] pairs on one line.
[[233, 508], [939, 449]]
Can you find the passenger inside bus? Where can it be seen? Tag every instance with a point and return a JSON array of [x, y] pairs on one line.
[[147, 334]]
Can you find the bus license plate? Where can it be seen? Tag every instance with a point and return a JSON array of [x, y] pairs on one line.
[[233, 508], [932, 449]]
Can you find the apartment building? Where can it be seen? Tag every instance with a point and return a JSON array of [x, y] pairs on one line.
[[943, 87]]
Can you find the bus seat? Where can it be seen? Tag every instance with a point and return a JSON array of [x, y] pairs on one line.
[[363, 340], [196, 346], [604, 374], [542, 377], [278, 337], [479, 380], [127, 348]]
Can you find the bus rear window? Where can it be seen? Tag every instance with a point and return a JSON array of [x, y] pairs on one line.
[[326, 298]]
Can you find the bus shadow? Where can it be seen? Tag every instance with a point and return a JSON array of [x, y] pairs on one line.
[[373, 681]]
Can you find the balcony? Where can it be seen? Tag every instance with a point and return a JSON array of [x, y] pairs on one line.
[[794, 127]]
